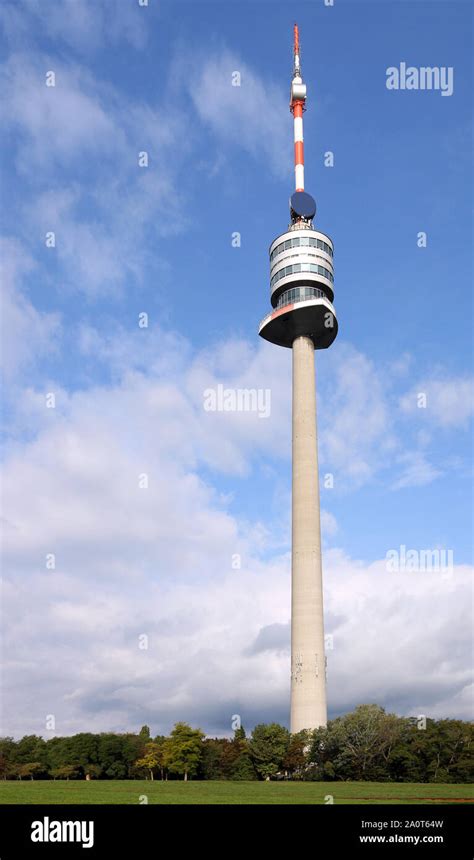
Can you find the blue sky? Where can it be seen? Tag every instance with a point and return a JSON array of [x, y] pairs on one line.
[[129, 401]]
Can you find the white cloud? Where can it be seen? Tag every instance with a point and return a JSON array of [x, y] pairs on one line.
[[158, 561], [27, 334], [241, 115], [403, 639], [218, 641], [416, 470], [355, 418], [449, 401], [83, 25], [328, 523], [55, 123], [402, 364], [92, 259], [99, 215]]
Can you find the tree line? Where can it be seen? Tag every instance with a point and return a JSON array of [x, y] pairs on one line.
[[366, 744]]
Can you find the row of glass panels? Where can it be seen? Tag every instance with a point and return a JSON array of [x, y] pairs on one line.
[[300, 294], [301, 241], [301, 267]]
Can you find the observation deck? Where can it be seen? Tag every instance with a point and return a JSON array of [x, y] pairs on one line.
[[301, 287], [301, 311]]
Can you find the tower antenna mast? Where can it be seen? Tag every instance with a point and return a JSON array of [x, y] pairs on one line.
[[297, 107]]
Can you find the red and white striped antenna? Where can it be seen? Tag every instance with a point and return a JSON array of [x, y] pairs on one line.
[[297, 107]]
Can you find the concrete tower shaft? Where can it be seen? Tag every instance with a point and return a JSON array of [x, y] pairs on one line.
[[308, 665]]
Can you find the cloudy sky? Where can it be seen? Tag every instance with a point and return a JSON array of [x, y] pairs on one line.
[[146, 540]]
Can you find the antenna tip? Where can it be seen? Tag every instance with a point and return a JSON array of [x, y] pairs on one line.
[[296, 38]]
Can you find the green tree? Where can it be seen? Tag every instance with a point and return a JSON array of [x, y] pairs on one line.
[[295, 760], [324, 750], [67, 772], [152, 759], [242, 765], [214, 763], [268, 748], [144, 734], [133, 747], [438, 751], [366, 737], [183, 750], [364, 744], [357, 746], [8, 749], [28, 770], [111, 755], [92, 771], [31, 748]]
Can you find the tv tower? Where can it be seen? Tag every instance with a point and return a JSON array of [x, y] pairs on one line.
[[304, 319]]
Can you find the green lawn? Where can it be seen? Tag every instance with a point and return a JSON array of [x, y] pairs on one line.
[[127, 791]]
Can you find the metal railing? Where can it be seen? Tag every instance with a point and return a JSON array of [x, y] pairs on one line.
[[299, 294], [286, 300]]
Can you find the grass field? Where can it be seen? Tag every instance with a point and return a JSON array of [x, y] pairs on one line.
[[125, 791]]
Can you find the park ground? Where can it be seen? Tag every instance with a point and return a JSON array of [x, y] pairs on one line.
[[195, 792]]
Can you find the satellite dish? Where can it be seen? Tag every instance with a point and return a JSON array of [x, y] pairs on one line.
[[302, 205]]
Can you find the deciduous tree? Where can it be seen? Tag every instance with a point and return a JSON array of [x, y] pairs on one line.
[[184, 750], [268, 748]]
